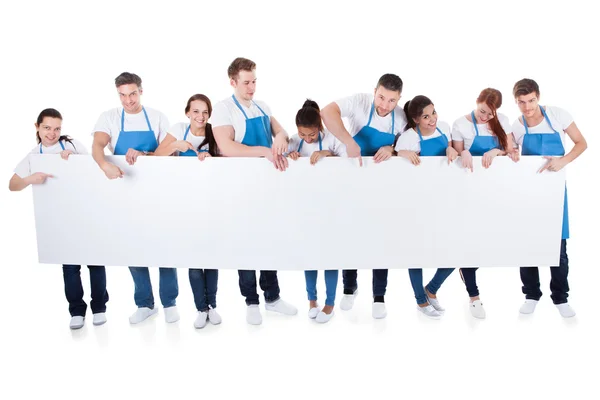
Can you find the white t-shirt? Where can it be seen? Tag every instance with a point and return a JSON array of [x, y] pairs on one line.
[[328, 142], [23, 169], [357, 108], [226, 112], [559, 118], [110, 123], [463, 130], [178, 132], [409, 140]]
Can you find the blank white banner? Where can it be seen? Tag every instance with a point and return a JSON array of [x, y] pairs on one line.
[[244, 214]]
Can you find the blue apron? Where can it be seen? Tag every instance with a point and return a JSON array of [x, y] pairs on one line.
[[371, 140], [546, 144], [188, 153], [433, 147], [59, 142], [320, 144], [482, 144], [258, 129], [137, 140]]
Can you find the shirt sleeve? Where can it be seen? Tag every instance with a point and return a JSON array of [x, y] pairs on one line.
[[79, 147], [221, 116], [563, 116], [23, 170], [456, 134], [103, 125], [347, 105]]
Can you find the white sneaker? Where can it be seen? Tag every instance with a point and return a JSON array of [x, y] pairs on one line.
[[253, 316], [348, 301], [281, 306], [528, 307], [323, 318], [313, 312], [171, 314], [379, 311], [213, 316], [565, 310], [200, 321], [434, 302], [99, 318], [76, 322], [141, 314], [477, 310], [430, 311]]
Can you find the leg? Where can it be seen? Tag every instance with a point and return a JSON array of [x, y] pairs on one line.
[[98, 285], [74, 290], [311, 284], [331, 281], [270, 285], [248, 286], [530, 276], [197, 282], [469, 278], [416, 280], [143, 287], [379, 282], [559, 284], [349, 279], [436, 282], [211, 280], [168, 287]]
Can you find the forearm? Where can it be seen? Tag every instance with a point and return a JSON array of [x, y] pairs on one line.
[[576, 151], [98, 154], [17, 183], [235, 149]]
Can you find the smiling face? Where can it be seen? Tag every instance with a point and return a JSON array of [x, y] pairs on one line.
[[49, 130], [528, 104], [309, 134], [130, 96], [385, 100], [427, 122], [483, 113], [198, 114]]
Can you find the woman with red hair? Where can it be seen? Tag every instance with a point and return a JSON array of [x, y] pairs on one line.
[[486, 133]]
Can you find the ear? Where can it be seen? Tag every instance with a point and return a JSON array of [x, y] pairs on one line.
[[233, 83], [141, 91]]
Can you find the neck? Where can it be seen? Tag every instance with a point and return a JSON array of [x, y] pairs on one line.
[[537, 115], [427, 131], [136, 111], [246, 103], [197, 131]]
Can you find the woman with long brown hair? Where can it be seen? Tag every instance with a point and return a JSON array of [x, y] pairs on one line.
[[485, 133]]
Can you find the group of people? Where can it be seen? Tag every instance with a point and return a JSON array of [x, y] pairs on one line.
[[378, 127]]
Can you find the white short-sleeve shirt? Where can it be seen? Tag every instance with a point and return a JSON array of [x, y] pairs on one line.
[[226, 112], [559, 118], [357, 108], [23, 169], [110, 122], [409, 140], [463, 130], [328, 142], [178, 132]]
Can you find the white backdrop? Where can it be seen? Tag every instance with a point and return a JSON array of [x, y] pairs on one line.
[[66, 54], [244, 214]]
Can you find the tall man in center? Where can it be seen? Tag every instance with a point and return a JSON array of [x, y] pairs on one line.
[[244, 127], [374, 120]]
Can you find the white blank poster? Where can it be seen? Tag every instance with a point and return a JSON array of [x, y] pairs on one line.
[[241, 213]]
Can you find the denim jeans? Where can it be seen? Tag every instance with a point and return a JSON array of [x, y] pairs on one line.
[[168, 287], [204, 287], [469, 278], [331, 280], [268, 283], [416, 280], [559, 284], [379, 281], [74, 289]]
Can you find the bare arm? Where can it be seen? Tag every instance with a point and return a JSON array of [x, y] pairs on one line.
[[277, 129], [166, 148], [577, 138], [224, 136], [17, 183], [101, 140], [459, 146], [332, 118]]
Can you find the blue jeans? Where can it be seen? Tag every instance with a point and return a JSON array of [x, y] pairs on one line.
[[416, 280], [268, 283], [379, 281], [470, 279], [331, 280], [168, 287], [204, 287], [74, 289], [559, 285]]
